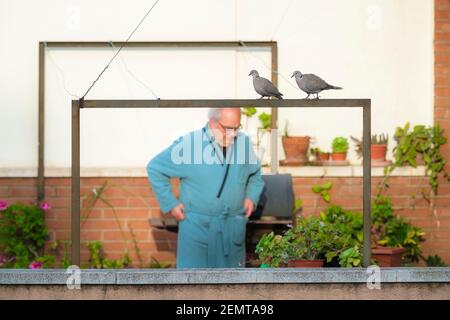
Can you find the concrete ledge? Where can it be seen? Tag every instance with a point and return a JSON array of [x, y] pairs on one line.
[[222, 276], [227, 284]]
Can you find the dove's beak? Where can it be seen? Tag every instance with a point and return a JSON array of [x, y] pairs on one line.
[[250, 74], [293, 75]]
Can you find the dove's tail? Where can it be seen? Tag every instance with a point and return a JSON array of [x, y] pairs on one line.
[[334, 87]]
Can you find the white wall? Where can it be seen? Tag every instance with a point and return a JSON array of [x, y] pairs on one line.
[[378, 49]]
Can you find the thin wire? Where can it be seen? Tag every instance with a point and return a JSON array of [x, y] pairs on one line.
[[281, 19], [267, 66], [115, 55], [61, 75], [133, 75]]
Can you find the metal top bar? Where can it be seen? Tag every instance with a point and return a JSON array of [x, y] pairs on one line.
[[287, 103], [90, 44]]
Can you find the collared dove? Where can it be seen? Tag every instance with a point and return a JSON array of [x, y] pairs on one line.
[[263, 86], [312, 84]]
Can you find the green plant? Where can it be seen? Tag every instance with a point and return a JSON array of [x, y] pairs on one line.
[[425, 141], [286, 129], [380, 138], [272, 250], [350, 257], [323, 190], [23, 235], [339, 144], [156, 264], [435, 261], [98, 260], [249, 111], [265, 120], [393, 231]]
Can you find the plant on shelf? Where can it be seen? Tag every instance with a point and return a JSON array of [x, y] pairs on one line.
[[295, 148], [339, 148], [23, 235], [378, 147], [320, 155]]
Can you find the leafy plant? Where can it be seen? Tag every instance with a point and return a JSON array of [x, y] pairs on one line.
[[272, 250], [339, 144], [265, 120], [98, 260], [158, 264], [351, 257], [249, 111], [424, 141], [323, 190], [435, 261], [23, 235], [393, 231]]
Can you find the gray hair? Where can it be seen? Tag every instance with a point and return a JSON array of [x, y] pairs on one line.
[[215, 113]]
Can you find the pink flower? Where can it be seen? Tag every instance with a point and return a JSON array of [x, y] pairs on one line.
[[2, 260], [35, 265], [45, 206], [3, 205]]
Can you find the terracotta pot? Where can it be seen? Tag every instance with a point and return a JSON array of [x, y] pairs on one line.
[[388, 257], [378, 152], [339, 156], [305, 263], [323, 156], [295, 149]]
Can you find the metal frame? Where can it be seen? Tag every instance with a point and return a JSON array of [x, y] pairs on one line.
[[77, 105], [141, 44]]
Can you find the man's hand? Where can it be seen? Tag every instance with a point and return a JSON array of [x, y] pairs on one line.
[[178, 212], [249, 207]]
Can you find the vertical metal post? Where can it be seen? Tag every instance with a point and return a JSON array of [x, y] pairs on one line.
[[41, 124], [367, 185], [274, 113], [75, 214]]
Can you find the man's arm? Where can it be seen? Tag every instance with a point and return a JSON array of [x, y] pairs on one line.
[[160, 169]]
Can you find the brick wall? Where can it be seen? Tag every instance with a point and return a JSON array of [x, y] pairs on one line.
[[135, 203]]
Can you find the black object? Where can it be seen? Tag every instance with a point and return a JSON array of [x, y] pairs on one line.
[[277, 199]]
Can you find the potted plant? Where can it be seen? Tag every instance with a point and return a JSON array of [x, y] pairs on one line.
[[295, 148], [395, 241], [339, 148], [378, 149], [272, 250], [320, 155]]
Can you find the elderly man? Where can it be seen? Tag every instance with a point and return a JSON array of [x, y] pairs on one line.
[[220, 185]]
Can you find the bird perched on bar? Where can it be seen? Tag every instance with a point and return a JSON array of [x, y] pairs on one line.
[[312, 84], [264, 87]]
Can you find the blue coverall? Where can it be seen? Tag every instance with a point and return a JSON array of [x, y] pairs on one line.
[[212, 235]]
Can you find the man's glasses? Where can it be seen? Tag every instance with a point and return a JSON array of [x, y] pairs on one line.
[[230, 128]]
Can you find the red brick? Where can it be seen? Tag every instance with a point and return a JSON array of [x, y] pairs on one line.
[[58, 181], [127, 213], [23, 191], [117, 235]]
